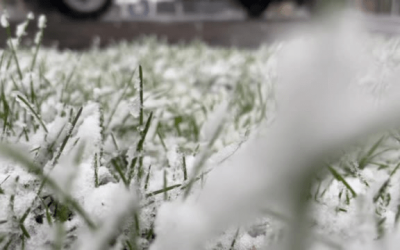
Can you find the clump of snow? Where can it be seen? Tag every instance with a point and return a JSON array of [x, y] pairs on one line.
[[42, 22], [89, 130], [187, 221], [4, 20], [110, 204]]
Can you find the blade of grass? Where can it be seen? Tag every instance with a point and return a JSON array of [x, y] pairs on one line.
[[8, 244], [2, 58], [18, 88], [33, 112], [141, 96], [340, 178], [201, 160], [184, 167], [37, 47], [232, 246], [165, 184], [182, 186], [24, 231], [32, 90], [48, 216], [119, 101], [381, 190], [23, 218], [114, 141], [66, 139], [394, 170], [6, 112], [96, 175], [161, 139], [139, 149], [69, 79], [146, 184], [367, 157], [14, 53], [119, 171]]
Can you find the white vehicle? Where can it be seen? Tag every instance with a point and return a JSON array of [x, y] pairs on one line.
[[95, 8]]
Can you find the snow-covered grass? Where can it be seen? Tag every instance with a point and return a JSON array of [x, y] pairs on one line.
[[96, 145]]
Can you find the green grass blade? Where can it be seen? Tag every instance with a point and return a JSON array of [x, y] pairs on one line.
[[37, 48], [32, 90], [24, 231], [161, 139], [14, 54], [381, 190], [139, 149], [141, 96], [119, 171], [232, 246], [163, 190], [6, 111], [23, 218], [146, 184], [199, 163], [114, 141], [184, 168], [48, 216], [394, 170], [165, 184], [340, 178], [112, 113], [3, 55], [96, 169], [68, 81], [33, 112], [367, 157], [66, 139]]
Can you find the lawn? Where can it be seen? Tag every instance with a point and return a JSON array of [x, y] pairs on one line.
[[94, 143]]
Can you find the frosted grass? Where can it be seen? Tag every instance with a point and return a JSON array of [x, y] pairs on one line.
[[147, 145]]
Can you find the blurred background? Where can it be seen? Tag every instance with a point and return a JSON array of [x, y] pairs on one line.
[[78, 24]]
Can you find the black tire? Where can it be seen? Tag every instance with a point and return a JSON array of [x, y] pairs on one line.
[[255, 8], [309, 4], [68, 8]]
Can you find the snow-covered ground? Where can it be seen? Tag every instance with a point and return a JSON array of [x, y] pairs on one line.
[[285, 146]]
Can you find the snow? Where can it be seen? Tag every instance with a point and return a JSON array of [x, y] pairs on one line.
[[283, 108], [89, 130], [4, 21], [21, 29], [42, 22], [188, 222], [30, 16], [313, 101], [110, 204]]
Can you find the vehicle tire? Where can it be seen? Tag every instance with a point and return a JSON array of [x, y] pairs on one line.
[[309, 4], [83, 9], [255, 8]]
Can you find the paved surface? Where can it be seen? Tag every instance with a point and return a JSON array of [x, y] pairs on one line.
[[218, 26], [66, 33], [80, 35]]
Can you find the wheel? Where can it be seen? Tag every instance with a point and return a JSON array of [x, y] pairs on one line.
[[83, 8], [255, 8], [309, 4]]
